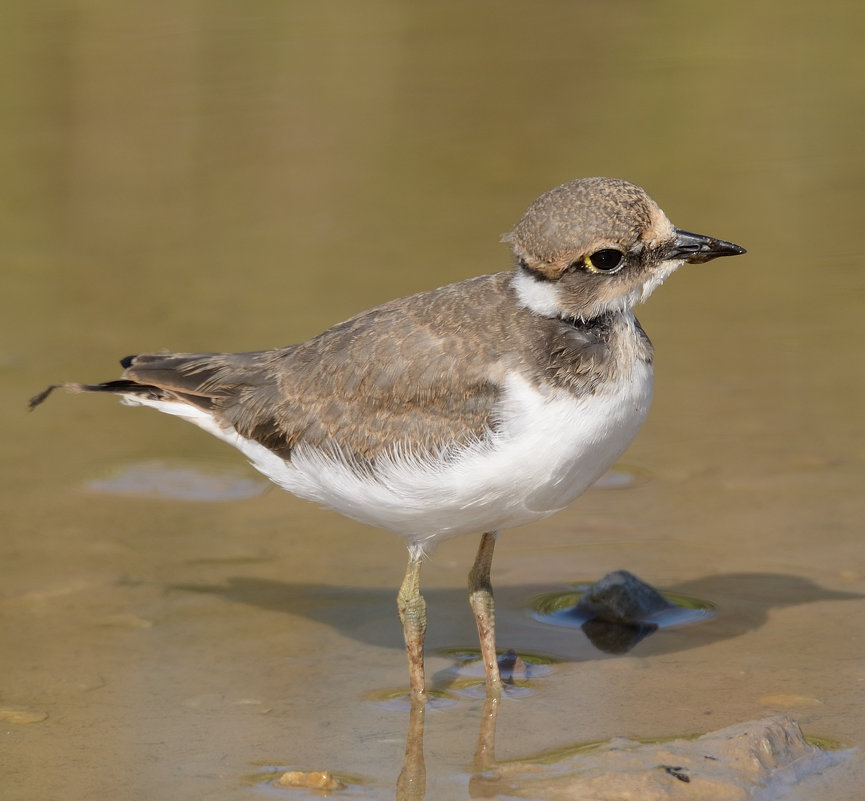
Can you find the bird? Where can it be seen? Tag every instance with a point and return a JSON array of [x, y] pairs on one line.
[[469, 409]]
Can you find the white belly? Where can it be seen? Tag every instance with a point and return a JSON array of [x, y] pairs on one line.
[[548, 448]]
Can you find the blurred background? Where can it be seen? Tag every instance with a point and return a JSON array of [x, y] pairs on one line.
[[207, 176]]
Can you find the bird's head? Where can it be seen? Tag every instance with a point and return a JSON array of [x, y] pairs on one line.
[[600, 244]]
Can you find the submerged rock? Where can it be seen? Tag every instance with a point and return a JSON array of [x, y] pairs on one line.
[[620, 597], [617, 611], [747, 761]]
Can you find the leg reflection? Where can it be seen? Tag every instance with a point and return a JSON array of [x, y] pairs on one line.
[[411, 784], [485, 753]]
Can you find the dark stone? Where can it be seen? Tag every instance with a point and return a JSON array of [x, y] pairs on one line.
[[620, 597]]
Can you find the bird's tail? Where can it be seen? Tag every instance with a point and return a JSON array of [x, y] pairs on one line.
[[198, 379], [121, 386], [168, 379]]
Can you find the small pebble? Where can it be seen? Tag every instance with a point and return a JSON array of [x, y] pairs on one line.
[[788, 700], [17, 714], [309, 780]]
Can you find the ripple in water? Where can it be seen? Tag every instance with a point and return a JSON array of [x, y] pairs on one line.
[[179, 482]]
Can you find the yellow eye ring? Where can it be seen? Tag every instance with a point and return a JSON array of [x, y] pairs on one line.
[[605, 260]]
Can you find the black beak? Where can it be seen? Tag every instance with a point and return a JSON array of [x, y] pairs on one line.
[[696, 248]]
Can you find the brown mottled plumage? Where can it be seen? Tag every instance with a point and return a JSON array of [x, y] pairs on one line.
[[361, 384]]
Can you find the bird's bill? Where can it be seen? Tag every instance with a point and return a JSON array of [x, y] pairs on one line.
[[696, 248]]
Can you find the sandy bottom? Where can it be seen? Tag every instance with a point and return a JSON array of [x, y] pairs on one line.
[[157, 647]]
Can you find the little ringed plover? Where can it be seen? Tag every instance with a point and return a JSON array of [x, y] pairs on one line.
[[476, 407]]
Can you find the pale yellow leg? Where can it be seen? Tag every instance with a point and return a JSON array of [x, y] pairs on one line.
[[481, 599], [412, 613]]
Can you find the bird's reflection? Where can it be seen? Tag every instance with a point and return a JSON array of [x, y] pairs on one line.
[[411, 784]]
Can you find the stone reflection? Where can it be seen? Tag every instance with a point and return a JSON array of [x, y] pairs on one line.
[[616, 638]]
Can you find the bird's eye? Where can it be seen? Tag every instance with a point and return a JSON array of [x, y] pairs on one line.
[[605, 260]]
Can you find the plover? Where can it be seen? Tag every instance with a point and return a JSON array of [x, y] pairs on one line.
[[471, 408]]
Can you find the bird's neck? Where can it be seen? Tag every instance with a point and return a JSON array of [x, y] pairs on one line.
[[600, 325], [543, 297]]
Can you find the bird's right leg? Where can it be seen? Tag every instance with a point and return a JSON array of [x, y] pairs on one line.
[[481, 599], [412, 614]]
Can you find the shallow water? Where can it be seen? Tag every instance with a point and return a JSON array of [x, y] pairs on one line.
[[214, 177]]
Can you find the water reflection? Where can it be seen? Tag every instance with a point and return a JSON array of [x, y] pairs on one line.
[[763, 756], [758, 756], [411, 784]]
